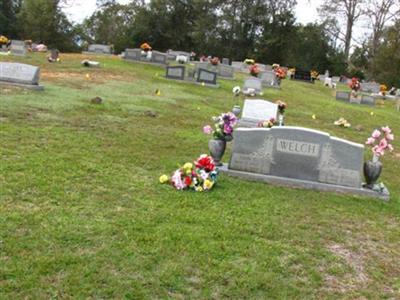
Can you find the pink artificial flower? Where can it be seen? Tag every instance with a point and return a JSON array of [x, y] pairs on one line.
[[177, 180], [378, 150], [383, 144], [386, 130], [390, 136], [228, 129], [370, 141], [376, 134], [207, 129]]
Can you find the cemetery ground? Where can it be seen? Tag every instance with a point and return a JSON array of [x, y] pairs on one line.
[[84, 216]]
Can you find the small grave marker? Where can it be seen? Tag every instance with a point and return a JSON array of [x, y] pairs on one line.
[[207, 77], [175, 72]]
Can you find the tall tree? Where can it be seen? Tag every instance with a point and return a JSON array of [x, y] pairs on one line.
[[8, 17], [348, 11], [380, 13], [387, 58], [43, 20]]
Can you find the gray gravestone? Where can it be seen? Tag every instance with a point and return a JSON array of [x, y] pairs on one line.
[[207, 77], [225, 61], [262, 67], [335, 79], [18, 48], [20, 75], [252, 83], [299, 153], [175, 72], [225, 71], [343, 96], [237, 65], [269, 79], [370, 87], [159, 57], [268, 68], [255, 111], [133, 54], [368, 100], [100, 49]]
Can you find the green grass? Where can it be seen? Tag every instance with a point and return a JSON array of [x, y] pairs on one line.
[[82, 215]]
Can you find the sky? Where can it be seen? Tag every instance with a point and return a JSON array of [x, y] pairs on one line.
[[306, 10]]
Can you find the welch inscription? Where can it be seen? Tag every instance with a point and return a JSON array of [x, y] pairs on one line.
[[298, 148]]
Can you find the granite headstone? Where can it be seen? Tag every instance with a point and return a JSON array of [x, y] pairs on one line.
[[299, 153], [175, 72], [20, 75], [252, 84], [207, 77], [343, 96], [18, 48], [257, 110]]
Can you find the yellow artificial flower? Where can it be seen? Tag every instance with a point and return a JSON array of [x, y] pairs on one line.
[[87, 76], [314, 116], [203, 84], [371, 113], [164, 178], [198, 189], [188, 166], [208, 184]]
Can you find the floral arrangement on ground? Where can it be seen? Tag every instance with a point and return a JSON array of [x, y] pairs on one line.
[[199, 176]]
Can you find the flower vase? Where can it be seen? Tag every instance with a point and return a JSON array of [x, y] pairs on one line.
[[217, 150], [280, 119], [236, 110], [372, 171]]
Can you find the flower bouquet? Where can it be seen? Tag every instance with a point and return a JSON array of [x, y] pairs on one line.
[[214, 61], [3, 40], [254, 70], [222, 133], [201, 175], [342, 122], [382, 89], [281, 109], [314, 74], [373, 169], [354, 84], [223, 127], [249, 61], [280, 73], [266, 124], [145, 47]]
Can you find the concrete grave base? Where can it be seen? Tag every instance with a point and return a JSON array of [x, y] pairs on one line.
[[96, 53], [304, 184], [21, 85], [215, 86], [145, 62]]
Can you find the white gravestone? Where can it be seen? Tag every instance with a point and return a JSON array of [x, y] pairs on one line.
[[20, 75], [257, 110]]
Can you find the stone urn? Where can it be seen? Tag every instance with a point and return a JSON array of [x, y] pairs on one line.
[[236, 110], [372, 171], [217, 150]]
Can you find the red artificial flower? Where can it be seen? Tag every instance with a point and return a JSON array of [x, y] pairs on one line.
[[206, 163], [188, 180]]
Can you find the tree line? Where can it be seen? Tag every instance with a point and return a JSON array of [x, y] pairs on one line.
[[265, 30]]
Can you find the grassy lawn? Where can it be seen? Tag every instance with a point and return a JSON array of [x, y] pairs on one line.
[[82, 215]]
